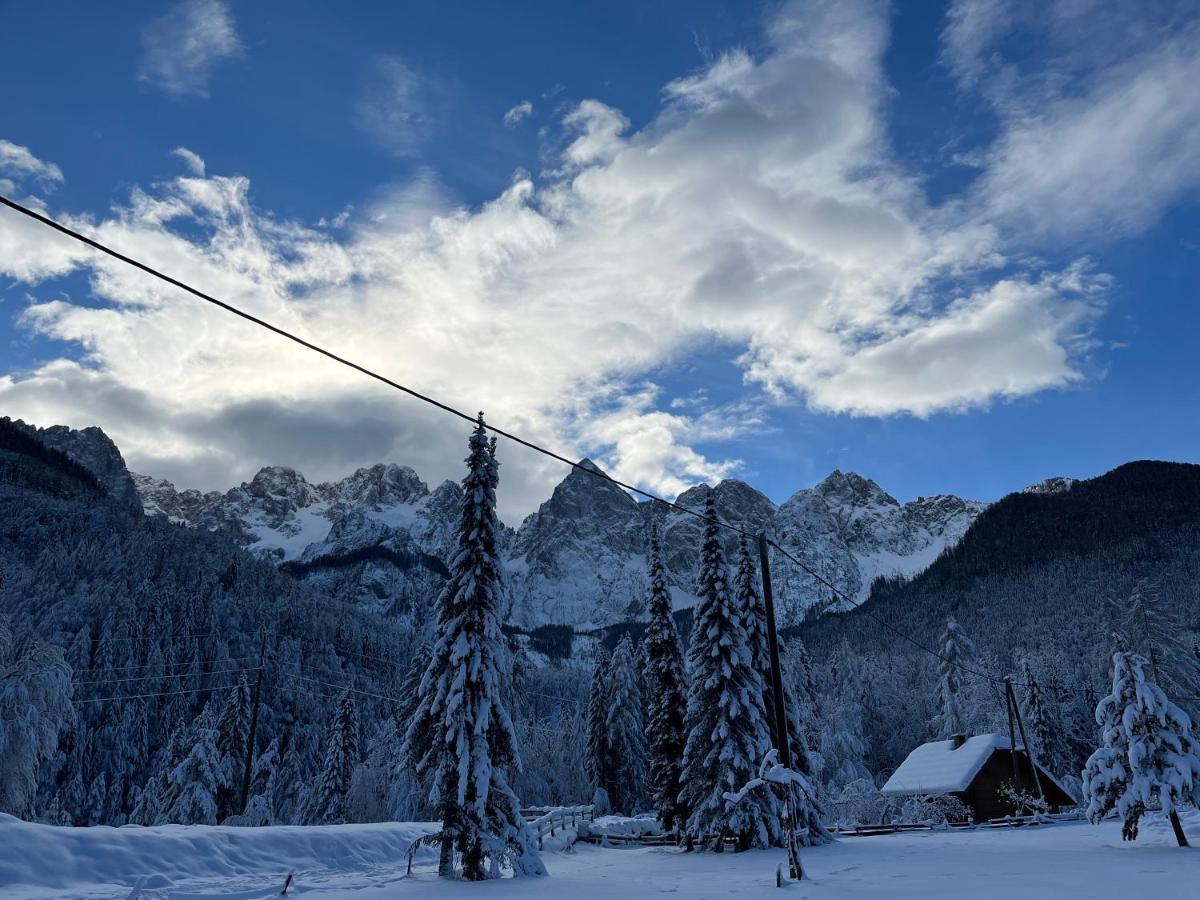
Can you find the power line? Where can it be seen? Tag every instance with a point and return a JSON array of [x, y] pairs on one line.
[[164, 677], [211, 687], [341, 687], [165, 665], [445, 407]]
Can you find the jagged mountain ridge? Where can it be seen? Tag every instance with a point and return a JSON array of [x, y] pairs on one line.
[[579, 559]]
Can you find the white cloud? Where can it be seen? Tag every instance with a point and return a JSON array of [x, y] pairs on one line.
[[181, 49], [17, 162], [396, 106], [972, 27], [190, 159], [516, 114], [1099, 117], [748, 212]]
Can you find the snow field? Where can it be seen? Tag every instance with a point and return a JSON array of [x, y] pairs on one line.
[[367, 862]]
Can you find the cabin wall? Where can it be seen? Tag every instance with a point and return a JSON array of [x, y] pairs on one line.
[[985, 794]]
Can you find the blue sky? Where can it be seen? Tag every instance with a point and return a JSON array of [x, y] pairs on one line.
[[951, 247]]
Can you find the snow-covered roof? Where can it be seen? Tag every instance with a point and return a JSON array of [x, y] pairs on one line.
[[940, 768]]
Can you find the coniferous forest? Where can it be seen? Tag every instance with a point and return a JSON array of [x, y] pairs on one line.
[[134, 650]]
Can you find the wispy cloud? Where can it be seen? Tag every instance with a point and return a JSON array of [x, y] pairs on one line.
[[181, 49], [1099, 116], [190, 159], [397, 106], [19, 164], [518, 113]]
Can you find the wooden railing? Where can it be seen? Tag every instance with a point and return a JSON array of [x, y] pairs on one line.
[[548, 821]]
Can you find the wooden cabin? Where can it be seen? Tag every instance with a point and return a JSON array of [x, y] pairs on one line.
[[975, 771]]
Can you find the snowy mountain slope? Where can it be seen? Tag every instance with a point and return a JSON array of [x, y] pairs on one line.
[[95, 451], [850, 531], [379, 535]]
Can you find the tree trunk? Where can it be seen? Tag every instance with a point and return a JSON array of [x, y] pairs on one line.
[[446, 859], [1178, 828], [450, 827]]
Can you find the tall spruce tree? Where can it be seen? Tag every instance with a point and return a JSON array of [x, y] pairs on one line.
[[749, 601], [1148, 757], [462, 735], [626, 738], [341, 756], [193, 784], [957, 649], [233, 733], [598, 761], [665, 735], [727, 735], [1152, 628], [1044, 731]]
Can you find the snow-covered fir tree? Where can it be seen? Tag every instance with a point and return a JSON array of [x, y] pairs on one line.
[[842, 741], [341, 756], [462, 735], [727, 735], [665, 688], [749, 602], [233, 733], [598, 761], [626, 738], [260, 800], [1043, 728], [35, 706], [956, 650], [1148, 626], [1148, 755], [193, 784]]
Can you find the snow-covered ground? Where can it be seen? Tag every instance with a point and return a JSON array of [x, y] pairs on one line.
[[367, 862]]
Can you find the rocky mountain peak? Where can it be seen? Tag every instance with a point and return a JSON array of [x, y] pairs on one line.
[[582, 496], [96, 452], [852, 489], [383, 484]]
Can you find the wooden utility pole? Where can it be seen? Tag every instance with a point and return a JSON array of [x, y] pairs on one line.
[[782, 744], [1037, 778], [253, 735], [1012, 734]]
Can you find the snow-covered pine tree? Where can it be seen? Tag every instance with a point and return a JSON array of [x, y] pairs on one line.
[[233, 732], [665, 736], [956, 650], [35, 705], [1044, 731], [727, 736], [749, 602], [598, 760], [194, 783], [341, 756], [260, 808], [1152, 628], [462, 735], [842, 742], [626, 738], [1148, 757]]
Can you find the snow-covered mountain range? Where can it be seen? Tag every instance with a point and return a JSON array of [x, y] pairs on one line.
[[382, 537]]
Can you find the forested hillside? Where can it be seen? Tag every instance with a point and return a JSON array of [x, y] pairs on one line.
[[1043, 576]]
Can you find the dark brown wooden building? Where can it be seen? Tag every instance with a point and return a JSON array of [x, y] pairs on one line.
[[975, 770]]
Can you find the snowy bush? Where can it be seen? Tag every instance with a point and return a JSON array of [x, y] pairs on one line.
[[858, 803], [933, 809]]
